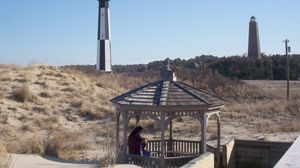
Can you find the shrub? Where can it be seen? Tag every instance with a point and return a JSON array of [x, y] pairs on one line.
[[45, 94], [110, 152], [65, 144], [5, 160], [5, 78], [213, 133], [27, 128], [290, 127], [39, 109], [41, 83], [2, 148], [1, 95], [30, 145], [21, 94], [87, 110], [68, 89]]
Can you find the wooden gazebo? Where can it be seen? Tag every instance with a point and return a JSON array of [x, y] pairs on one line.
[[163, 101]]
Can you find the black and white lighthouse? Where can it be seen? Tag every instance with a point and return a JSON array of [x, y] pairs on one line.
[[104, 43]]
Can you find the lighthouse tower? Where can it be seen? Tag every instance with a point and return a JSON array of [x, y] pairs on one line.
[[253, 43], [104, 43]]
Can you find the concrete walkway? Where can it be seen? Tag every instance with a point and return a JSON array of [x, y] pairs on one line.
[[291, 159], [34, 161]]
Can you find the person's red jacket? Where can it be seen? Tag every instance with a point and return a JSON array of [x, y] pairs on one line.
[[134, 144]]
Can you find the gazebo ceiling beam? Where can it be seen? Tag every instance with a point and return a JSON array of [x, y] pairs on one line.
[[216, 107]]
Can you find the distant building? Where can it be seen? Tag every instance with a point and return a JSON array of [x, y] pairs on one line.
[[253, 41], [104, 44]]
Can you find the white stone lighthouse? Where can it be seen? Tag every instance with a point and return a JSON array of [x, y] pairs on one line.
[[104, 43]]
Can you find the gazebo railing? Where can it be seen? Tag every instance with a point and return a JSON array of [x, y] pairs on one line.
[[182, 146], [185, 146]]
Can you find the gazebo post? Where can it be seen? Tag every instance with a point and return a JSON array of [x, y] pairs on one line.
[[203, 133], [162, 138], [124, 152], [118, 132], [170, 143], [218, 140]]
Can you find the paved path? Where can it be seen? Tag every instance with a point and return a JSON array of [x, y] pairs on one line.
[[34, 161], [291, 159]]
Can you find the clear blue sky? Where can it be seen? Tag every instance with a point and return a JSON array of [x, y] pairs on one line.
[[60, 32]]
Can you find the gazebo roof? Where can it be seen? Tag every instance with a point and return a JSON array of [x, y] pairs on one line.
[[166, 93]]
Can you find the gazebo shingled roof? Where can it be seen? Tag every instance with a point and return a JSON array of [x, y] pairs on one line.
[[168, 93]]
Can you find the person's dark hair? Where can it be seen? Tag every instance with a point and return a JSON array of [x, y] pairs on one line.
[[137, 129]]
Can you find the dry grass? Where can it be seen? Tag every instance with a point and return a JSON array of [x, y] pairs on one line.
[[59, 144], [22, 94], [87, 110], [5, 161], [213, 133], [2, 148], [27, 127], [268, 127], [266, 116], [277, 88], [46, 122], [62, 119], [110, 157], [57, 110], [212, 81], [68, 89], [45, 95], [1, 94], [265, 109], [195, 128], [5, 77], [65, 144], [41, 83], [33, 144]]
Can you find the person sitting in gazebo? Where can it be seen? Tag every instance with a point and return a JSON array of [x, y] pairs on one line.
[[136, 144], [146, 152]]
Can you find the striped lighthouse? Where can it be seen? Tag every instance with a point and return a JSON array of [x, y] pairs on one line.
[[104, 43]]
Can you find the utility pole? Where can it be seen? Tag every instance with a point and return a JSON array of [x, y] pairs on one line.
[[287, 50]]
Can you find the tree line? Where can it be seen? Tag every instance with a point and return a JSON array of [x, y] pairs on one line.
[[234, 67]]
